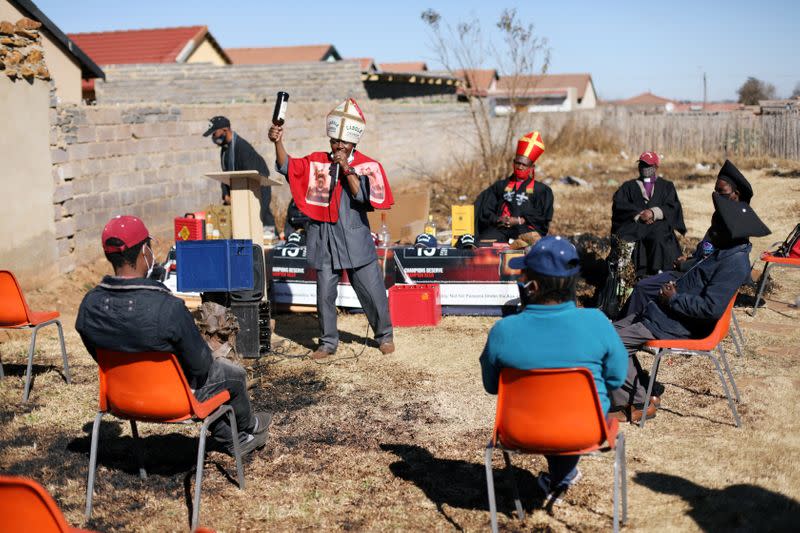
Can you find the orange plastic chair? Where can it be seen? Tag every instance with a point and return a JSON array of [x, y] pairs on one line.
[[704, 347], [151, 387], [769, 261], [26, 506], [15, 314], [554, 412]]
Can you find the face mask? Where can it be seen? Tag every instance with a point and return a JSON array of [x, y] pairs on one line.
[[219, 141], [149, 265], [522, 174], [648, 172]]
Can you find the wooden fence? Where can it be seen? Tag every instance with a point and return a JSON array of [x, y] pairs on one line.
[[727, 135]]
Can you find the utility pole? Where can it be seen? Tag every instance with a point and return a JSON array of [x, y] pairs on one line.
[[705, 91]]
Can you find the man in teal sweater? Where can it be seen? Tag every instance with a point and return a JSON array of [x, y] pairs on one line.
[[551, 332]]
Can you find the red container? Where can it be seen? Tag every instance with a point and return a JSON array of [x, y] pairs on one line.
[[415, 305], [189, 228]]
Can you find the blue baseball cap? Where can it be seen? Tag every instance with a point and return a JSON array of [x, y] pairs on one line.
[[551, 256], [425, 240]]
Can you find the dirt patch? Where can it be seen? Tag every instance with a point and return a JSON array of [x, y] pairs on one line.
[[372, 442]]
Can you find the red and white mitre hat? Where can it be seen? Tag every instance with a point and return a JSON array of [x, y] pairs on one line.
[[346, 122]]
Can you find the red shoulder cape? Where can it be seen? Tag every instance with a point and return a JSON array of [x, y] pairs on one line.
[[317, 190]]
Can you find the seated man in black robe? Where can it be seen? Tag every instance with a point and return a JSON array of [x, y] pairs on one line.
[[647, 211], [518, 205]]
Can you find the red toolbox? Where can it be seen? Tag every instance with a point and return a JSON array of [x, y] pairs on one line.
[[415, 305], [189, 228]]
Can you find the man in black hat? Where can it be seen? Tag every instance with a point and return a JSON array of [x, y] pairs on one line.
[[238, 154], [688, 304]]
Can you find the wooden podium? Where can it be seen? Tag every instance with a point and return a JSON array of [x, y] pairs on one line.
[[245, 201]]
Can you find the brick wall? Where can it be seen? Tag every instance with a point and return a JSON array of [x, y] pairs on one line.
[[210, 84], [150, 160]]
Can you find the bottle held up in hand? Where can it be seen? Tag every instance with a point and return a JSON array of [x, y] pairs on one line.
[[279, 114]]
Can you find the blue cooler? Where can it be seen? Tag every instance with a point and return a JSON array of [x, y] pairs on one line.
[[214, 265]]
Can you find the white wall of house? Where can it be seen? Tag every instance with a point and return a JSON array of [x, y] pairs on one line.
[[589, 100]]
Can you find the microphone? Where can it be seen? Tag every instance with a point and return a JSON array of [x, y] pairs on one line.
[[335, 175]]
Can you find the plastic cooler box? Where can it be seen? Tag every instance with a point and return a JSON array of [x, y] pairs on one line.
[[214, 266], [415, 305]]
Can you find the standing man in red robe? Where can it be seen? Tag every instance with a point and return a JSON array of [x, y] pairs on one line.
[[338, 234]]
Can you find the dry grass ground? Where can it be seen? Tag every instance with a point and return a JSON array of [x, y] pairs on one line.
[[371, 442]]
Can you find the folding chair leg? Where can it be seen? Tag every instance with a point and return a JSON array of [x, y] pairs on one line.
[[487, 459], [735, 343], [730, 374], [652, 382], [29, 373], [237, 452], [137, 449], [2, 374], [761, 284], [63, 351], [517, 500], [737, 328], [198, 478], [620, 482], [92, 464], [725, 389]]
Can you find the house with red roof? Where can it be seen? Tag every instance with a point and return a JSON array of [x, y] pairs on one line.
[[647, 102], [187, 44], [276, 55], [544, 92]]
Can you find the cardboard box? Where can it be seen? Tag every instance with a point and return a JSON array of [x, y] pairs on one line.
[[220, 217], [406, 219]]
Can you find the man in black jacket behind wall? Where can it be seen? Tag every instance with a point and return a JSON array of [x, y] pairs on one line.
[[238, 154]]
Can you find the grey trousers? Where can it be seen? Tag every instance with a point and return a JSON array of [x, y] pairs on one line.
[[634, 335], [367, 282], [226, 375]]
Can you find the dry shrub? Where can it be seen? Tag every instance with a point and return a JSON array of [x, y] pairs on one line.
[[575, 137]]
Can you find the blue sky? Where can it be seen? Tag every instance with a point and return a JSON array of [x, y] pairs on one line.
[[628, 47]]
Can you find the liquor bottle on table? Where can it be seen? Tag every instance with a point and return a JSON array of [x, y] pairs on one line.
[[430, 226]]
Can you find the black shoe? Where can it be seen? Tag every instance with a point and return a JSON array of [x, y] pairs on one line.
[[258, 438]]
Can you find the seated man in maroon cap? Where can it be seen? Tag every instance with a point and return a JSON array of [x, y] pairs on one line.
[[128, 312], [647, 211]]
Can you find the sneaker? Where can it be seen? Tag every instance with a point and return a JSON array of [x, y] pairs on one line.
[[258, 438], [552, 496]]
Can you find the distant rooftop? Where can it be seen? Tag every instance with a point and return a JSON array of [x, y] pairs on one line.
[[283, 54]]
